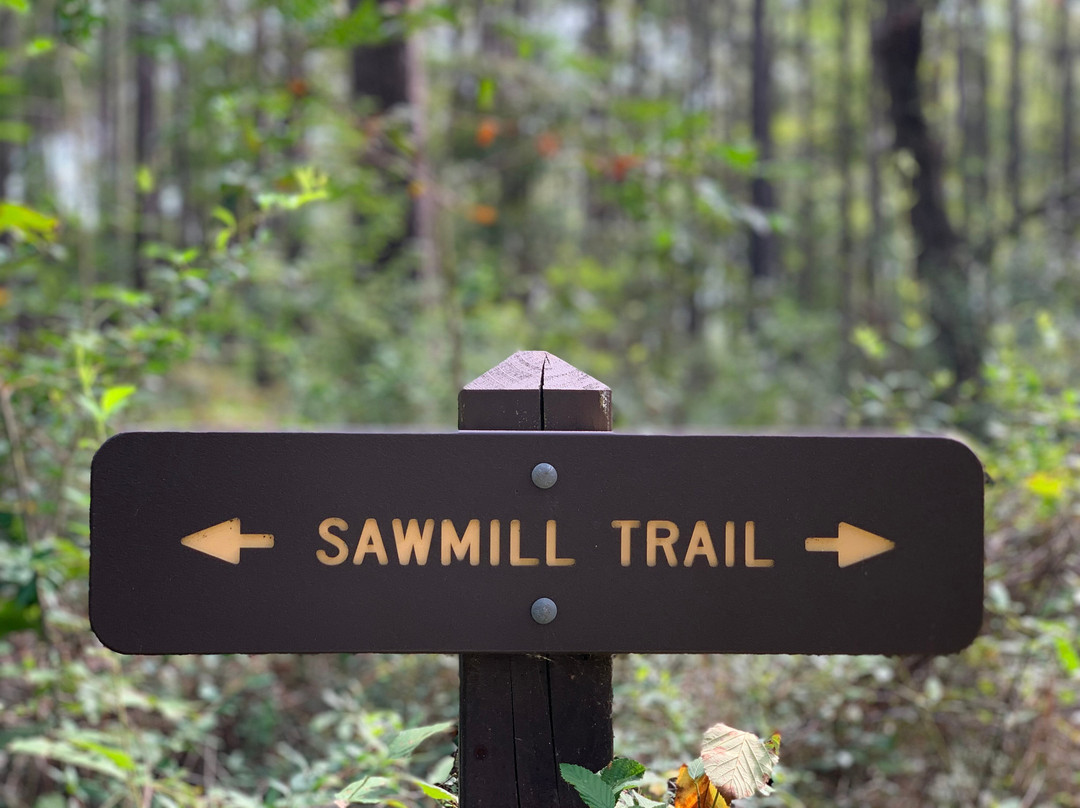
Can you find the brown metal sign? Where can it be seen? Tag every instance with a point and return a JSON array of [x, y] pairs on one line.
[[467, 542]]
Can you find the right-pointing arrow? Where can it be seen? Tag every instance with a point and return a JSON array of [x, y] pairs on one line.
[[852, 545]]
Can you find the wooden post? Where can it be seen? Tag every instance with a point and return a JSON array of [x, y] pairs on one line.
[[523, 715]]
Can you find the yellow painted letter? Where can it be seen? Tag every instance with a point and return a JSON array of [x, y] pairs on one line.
[[515, 548], [493, 535], [553, 559], [653, 539], [458, 546], [370, 542], [339, 543], [750, 560], [700, 544], [625, 526], [729, 544], [412, 540]]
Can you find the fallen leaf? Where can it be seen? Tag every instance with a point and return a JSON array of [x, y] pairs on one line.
[[737, 762], [486, 132], [697, 792], [484, 215], [548, 144]]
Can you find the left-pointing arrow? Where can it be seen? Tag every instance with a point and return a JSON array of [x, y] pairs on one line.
[[225, 541]]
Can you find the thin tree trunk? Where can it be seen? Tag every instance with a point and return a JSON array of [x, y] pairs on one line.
[[979, 129], [185, 145], [876, 146], [962, 115], [146, 200], [598, 212], [898, 45], [972, 90], [762, 244], [426, 211], [807, 278], [297, 81], [8, 33], [379, 77], [1014, 160], [845, 143], [111, 244], [699, 97], [1065, 60]]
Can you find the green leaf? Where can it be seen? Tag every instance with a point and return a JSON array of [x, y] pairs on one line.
[[121, 759], [26, 221], [1067, 654], [65, 752], [225, 216], [592, 789], [114, 398], [436, 792], [742, 155], [737, 762], [485, 94], [20, 6], [364, 26], [15, 616], [14, 132], [370, 790], [632, 799], [620, 772], [144, 179], [406, 741], [869, 342], [39, 45], [1047, 486]]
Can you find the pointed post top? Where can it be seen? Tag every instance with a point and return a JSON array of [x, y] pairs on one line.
[[535, 390]]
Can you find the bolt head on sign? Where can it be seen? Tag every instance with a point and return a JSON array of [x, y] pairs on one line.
[[248, 543]]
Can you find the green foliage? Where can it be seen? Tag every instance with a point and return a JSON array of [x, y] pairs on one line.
[[594, 791], [588, 197]]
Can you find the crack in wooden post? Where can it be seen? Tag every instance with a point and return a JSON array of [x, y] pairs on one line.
[[522, 715]]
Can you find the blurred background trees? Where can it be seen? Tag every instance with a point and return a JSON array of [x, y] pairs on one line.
[[745, 213]]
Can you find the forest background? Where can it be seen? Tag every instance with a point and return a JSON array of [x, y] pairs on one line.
[[738, 214]]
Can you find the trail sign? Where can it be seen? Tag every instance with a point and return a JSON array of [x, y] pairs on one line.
[[248, 543]]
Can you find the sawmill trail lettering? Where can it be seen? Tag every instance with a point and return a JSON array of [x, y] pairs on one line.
[[662, 536], [412, 543]]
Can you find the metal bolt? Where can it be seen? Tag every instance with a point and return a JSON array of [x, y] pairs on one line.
[[544, 475], [544, 610]]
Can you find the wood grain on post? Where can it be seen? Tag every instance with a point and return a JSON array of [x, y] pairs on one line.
[[523, 715]]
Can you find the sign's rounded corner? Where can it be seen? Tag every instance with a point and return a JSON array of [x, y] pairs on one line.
[[109, 446], [965, 453], [103, 637]]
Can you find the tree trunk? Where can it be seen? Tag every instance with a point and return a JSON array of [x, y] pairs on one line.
[[978, 125], [877, 144], [762, 244], [379, 77], [898, 45], [962, 103], [1014, 159], [146, 196], [1065, 61], [972, 118], [699, 97], [807, 278], [424, 210], [7, 45], [845, 143], [110, 123], [296, 80], [598, 211]]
